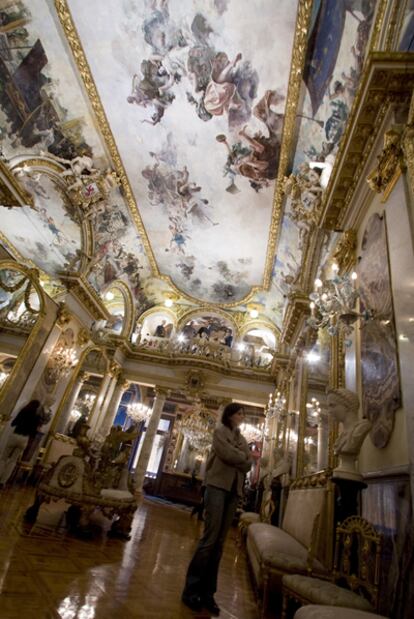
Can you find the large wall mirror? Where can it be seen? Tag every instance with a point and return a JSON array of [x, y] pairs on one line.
[[315, 423], [80, 401], [21, 306]]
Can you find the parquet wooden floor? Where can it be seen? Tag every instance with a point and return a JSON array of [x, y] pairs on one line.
[[47, 575]]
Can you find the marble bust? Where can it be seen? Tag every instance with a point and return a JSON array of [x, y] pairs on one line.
[[343, 405]]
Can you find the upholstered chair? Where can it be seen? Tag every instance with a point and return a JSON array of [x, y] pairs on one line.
[[355, 577]]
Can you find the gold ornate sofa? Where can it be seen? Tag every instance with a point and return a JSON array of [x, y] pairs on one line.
[[303, 544], [90, 480]]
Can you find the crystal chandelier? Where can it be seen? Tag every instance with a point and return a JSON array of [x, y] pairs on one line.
[[138, 412], [61, 362], [251, 433], [276, 407], [198, 429], [333, 303]]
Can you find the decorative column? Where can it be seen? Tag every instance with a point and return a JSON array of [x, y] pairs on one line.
[[62, 420], [121, 386], [144, 456], [99, 403]]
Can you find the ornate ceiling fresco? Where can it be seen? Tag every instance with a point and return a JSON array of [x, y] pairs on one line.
[[194, 104]]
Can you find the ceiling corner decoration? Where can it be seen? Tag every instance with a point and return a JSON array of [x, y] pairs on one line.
[[197, 113]]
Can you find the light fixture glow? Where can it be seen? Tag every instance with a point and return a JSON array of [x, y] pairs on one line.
[[109, 296], [168, 302], [312, 357], [254, 313]]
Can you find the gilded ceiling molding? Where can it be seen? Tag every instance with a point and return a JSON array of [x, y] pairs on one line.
[[79, 56], [345, 251], [390, 163], [378, 26], [12, 194], [296, 311], [300, 44], [86, 295], [386, 79], [394, 24]]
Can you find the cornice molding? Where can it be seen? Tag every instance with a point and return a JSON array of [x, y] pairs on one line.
[[387, 79], [296, 311], [85, 294]]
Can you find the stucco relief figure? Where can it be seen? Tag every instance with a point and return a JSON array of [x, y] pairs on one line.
[[343, 405]]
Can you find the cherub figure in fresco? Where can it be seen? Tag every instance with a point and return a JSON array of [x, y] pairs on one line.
[[153, 88], [221, 92], [258, 161], [227, 87], [178, 236]]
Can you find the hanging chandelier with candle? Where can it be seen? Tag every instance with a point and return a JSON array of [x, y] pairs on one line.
[[198, 429], [138, 412], [333, 303]]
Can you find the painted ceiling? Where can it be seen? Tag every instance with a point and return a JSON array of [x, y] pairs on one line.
[[194, 95]]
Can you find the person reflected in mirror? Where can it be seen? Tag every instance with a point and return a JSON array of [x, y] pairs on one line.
[[228, 462]]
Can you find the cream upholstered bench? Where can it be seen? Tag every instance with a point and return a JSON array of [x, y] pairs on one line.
[[303, 544]]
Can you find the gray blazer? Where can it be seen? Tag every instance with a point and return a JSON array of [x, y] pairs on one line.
[[230, 459]]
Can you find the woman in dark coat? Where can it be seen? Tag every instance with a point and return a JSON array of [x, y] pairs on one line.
[[227, 465]]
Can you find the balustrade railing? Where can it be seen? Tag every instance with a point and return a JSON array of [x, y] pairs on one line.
[[207, 349]]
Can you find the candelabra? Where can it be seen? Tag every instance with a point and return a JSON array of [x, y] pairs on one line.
[[138, 412], [333, 303], [276, 407]]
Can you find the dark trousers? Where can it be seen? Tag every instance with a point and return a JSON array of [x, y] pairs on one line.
[[219, 510]]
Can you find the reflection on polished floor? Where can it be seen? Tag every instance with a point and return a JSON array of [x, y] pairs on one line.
[[45, 575]]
